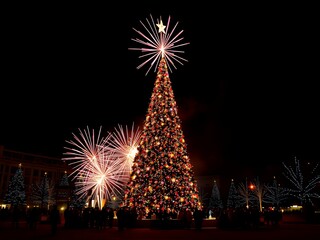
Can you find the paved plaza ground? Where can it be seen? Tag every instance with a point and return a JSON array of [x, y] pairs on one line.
[[283, 231]]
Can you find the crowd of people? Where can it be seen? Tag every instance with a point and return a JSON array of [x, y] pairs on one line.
[[107, 217], [125, 217]]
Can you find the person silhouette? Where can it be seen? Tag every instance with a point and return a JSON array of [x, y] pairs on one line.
[[54, 219]]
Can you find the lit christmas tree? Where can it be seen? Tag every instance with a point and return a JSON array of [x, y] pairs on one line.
[[64, 181], [233, 198], [162, 176], [215, 199], [63, 189], [16, 194], [76, 201]]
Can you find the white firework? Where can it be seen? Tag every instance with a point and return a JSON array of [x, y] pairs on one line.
[[159, 41], [96, 171], [123, 144], [87, 147]]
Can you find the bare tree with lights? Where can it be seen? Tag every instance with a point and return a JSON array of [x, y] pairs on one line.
[[304, 185], [275, 194], [303, 181], [258, 190], [246, 197], [43, 193], [162, 175]]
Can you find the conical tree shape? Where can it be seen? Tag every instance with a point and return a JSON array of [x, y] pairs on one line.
[[233, 198], [16, 194], [162, 176], [215, 199], [64, 181]]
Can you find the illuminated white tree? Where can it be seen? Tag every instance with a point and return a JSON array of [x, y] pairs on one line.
[[43, 193], [303, 181], [246, 197], [275, 195], [16, 194], [215, 201], [64, 181], [233, 197], [258, 190]]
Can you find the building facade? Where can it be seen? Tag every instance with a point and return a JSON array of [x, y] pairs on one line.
[[34, 167]]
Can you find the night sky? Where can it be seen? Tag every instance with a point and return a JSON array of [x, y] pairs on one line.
[[247, 97]]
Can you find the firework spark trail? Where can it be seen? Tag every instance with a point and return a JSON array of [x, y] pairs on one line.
[[102, 178], [85, 146], [84, 149], [96, 170], [158, 44], [123, 146]]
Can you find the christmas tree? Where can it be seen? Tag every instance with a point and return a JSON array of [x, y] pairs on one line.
[[233, 198], [63, 189], [64, 181], [76, 200], [162, 176], [215, 200], [16, 194]]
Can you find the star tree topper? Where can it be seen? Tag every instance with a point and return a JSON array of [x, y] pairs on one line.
[[161, 27], [158, 44]]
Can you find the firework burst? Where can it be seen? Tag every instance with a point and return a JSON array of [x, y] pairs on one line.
[[159, 41], [123, 144], [96, 174]]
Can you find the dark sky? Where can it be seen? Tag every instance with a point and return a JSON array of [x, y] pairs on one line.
[[247, 97]]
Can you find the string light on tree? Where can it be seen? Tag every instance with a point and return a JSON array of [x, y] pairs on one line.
[[275, 195], [304, 180], [233, 197], [16, 195], [215, 202], [162, 176]]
